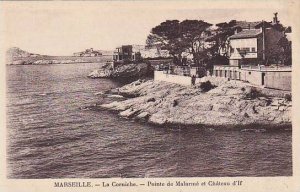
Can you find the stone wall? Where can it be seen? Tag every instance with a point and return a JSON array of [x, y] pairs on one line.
[[163, 76], [276, 78], [279, 80], [253, 77]]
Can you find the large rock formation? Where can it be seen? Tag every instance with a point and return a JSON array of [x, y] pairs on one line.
[[14, 55], [126, 71], [15, 52], [230, 103]]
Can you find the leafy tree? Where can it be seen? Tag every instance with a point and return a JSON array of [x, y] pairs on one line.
[[193, 34], [178, 37], [286, 54], [167, 35], [281, 52], [220, 38]]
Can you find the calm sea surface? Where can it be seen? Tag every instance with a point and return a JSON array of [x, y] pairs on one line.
[[54, 133]]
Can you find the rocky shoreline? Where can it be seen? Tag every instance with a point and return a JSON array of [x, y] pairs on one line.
[[126, 71], [228, 103]]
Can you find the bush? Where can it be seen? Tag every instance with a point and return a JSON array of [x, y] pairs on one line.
[[288, 97], [253, 93], [206, 86]]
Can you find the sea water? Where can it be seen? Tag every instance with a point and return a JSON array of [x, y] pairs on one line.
[[54, 130]]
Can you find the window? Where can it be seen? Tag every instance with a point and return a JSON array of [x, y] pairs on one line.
[[253, 49], [249, 73]]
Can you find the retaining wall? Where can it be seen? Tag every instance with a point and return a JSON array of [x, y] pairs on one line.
[[163, 76]]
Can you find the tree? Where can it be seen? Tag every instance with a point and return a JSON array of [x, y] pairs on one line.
[[193, 34], [220, 38], [286, 54], [178, 37], [281, 52], [167, 35]]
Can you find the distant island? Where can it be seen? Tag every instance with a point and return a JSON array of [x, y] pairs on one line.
[[17, 56], [92, 53]]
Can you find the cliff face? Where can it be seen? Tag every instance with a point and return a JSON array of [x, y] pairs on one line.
[[230, 103]]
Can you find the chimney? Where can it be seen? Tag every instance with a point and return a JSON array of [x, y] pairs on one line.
[[275, 18]]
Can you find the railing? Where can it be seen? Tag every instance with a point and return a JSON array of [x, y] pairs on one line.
[[182, 70], [265, 68]]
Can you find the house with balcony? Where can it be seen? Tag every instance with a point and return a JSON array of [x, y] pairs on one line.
[[137, 52], [249, 49], [251, 46], [125, 53]]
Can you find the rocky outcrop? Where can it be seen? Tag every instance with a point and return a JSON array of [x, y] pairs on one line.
[[229, 103], [126, 71], [15, 52], [14, 55]]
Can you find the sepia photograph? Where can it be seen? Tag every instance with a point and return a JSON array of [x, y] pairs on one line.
[[147, 91]]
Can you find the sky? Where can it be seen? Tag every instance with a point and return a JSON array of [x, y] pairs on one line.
[[60, 28]]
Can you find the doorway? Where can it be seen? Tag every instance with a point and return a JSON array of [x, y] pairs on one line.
[[263, 78]]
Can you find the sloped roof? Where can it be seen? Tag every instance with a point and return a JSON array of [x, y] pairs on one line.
[[246, 34]]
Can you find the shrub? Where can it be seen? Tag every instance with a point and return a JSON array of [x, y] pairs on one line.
[[206, 86], [253, 93], [288, 97]]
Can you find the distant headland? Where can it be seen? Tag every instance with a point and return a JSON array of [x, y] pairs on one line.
[[17, 56]]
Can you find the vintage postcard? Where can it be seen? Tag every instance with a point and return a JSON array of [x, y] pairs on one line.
[[150, 96]]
